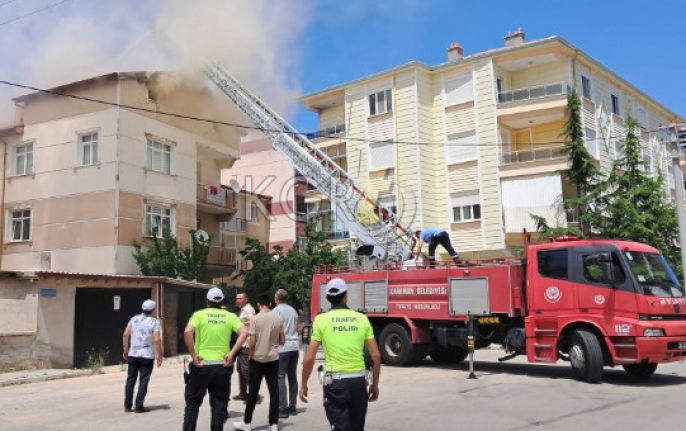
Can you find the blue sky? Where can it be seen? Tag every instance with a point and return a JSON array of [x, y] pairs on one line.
[[284, 48]]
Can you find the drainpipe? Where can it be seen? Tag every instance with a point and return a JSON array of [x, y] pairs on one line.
[[160, 311], [2, 199], [116, 178]]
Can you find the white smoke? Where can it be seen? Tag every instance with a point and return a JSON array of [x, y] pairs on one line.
[[257, 40]]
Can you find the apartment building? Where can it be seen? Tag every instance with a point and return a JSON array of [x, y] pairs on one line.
[[83, 181], [262, 170], [474, 145]]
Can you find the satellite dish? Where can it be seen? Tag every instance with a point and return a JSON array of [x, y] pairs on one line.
[[234, 185], [201, 235]]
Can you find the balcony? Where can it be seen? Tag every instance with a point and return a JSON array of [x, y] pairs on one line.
[[221, 256], [216, 200], [535, 92], [531, 106], [233, 225], [533, 155], [330, 132]]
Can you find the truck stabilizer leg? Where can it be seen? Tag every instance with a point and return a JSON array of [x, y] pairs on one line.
[[508, 357]]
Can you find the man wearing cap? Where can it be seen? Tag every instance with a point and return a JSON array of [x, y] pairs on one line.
[[141, 334], [343, 333], [207, 337]]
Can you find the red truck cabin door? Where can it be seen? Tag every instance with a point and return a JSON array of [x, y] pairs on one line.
[[607, 303]]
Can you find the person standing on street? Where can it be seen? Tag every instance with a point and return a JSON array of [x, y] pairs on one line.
[[207, 338], [288, 356], [246, 313], [141, 334], [343, 333], [266, 335], [435, 236]]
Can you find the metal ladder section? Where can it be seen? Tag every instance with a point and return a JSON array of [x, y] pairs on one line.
[[392, 240]]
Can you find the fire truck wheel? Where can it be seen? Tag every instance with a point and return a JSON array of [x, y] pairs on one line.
[[586, 356], [640, 371], [396, 346], [441, 355]]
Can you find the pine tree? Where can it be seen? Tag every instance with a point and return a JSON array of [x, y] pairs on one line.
[[631, 204], [582, 171]]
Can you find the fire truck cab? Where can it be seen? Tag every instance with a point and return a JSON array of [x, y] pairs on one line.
[[594, 303]]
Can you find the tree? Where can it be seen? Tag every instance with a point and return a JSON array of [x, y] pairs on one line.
[[545, 231], [164, 257], [631, 204], [292, 271], [582, 171]]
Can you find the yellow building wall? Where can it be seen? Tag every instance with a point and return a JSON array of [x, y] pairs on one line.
[[487, 132], [548, 73], [459, 118], [466, 236], [406, 116], [331, 117], [432, 211]]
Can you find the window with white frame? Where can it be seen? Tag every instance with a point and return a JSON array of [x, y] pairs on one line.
[[158, 220], [380, 102], [19, 226], [615, 104], [88, 147], [466, 206], [23, 159], [586, 87], [381, 155], [159, 156], [254, 213]]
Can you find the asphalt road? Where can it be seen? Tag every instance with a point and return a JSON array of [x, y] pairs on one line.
[[509, 396]]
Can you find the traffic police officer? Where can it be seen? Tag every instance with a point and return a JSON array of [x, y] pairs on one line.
[[343, 333]]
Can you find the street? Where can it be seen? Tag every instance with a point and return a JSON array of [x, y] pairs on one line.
[[509, 396]]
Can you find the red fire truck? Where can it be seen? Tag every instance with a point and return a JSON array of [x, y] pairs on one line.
[[594, 303]]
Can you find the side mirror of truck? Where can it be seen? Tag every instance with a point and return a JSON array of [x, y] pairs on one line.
[[608, 271]]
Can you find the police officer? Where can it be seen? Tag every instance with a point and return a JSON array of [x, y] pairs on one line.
[[344, 334], [207, 337]]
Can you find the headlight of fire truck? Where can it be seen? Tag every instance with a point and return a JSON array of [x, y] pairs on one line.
[[648, 332]]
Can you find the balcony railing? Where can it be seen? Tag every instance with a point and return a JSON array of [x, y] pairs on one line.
[[536, 92], [221, 256], [328, 132], [337, 235], [233, 225], [216, 196], [533, 155]]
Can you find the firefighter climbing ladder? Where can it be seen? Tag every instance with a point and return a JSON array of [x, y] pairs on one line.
[[392, 239]]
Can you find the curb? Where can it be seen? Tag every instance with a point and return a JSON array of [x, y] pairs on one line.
[[43, 378]]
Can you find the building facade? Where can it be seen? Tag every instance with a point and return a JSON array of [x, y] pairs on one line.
[[474, 145], [83, 181], [262, 170]]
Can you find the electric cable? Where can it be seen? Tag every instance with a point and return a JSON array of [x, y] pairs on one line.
[[266, 130], [50, 6]]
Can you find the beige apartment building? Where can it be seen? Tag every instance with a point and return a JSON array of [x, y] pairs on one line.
[[474, 145], [83, 181]]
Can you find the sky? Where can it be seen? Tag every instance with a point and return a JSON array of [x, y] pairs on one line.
[[286, 48]]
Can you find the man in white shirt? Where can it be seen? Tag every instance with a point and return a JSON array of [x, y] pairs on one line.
[[288, 356], [247, 312], [141, 334]]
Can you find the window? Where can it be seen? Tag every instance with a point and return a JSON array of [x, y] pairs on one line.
[[23, 159], [254, 214], [158, 219], [466, 206], [159, 156], [586, 87], [381, 155], [20, 225], [593, 269], [459, 89], [553, 264], [462, 147], [615, 104], [380, 103], [88, 144]]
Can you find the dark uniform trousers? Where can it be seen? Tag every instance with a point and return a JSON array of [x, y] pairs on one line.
[[212, 379], [345, 403]]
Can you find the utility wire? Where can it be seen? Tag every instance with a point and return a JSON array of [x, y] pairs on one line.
[[7, 2], [265, 130], [30, 13]]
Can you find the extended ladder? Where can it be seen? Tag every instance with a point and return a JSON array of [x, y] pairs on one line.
[[391, 238]]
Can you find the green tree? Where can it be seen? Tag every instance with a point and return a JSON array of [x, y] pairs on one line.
[[631, 204], [164, 257], [582, 171], [292, 271]]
